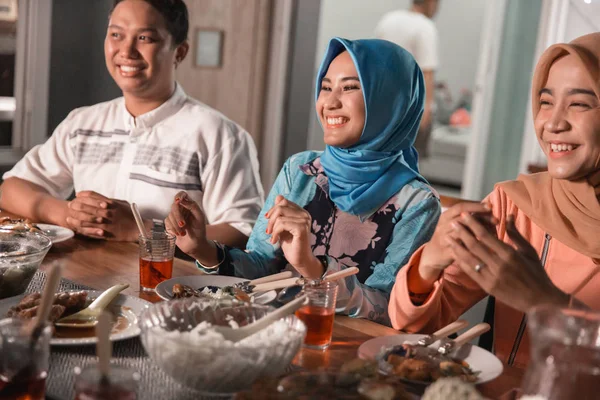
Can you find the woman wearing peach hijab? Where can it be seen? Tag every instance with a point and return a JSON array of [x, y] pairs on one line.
[[533, 241]]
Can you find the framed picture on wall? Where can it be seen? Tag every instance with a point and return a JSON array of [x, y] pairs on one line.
[[8, 10], [208, 48]]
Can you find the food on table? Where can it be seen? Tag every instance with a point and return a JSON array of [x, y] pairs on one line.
[[227, 292], [451, 389], [19, 225], [423, 364], [64, 303], [356, 379], [182, 291]]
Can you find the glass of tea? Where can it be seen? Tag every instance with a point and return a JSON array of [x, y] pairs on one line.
[[156, 259], [23, 368], [120, 384], [565, 354], [318, 314]]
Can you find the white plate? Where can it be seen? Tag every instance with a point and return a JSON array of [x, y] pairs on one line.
[[131, 307], [164, 289], [479, 359], [56, 233]]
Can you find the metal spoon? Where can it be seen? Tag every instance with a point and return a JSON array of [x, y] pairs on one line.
[[290, 292], [88, 317]]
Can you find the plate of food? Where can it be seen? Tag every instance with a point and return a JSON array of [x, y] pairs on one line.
[[55, 233], [125, 311], [355, 379], [215, 286], [399, 355]]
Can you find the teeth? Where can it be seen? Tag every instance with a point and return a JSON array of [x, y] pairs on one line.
[[126, 68], [336, 121], [557, 148]]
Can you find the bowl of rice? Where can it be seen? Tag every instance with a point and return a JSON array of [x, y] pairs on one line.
[[179, 337]]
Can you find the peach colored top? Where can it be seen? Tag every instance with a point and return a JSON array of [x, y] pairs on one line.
[[455, 292]]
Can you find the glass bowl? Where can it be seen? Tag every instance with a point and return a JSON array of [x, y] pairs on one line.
[[21, 253], [176, 337]]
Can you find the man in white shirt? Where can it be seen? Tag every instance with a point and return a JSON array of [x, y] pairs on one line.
[[144, 147], [415, 31]]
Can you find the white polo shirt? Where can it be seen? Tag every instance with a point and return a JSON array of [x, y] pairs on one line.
[[181, 145], [414, 32]]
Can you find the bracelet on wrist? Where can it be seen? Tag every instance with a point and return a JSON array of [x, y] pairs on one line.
[[220, 257]]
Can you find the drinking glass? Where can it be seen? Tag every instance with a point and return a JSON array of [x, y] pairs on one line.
[[318, 314], [23, 368], [565, 355], [122, 383], [156, 259]]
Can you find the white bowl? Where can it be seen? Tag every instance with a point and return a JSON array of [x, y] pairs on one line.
[[214, 366]]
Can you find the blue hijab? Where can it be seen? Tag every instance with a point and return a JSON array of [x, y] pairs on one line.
[[365, 175]]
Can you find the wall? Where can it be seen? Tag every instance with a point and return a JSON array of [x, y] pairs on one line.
[[236, 87], [78, 75], [459, 26], [511, 96], [582, 19], [301, 75]]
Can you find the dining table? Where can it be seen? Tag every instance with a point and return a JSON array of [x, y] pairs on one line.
[[100, 264]]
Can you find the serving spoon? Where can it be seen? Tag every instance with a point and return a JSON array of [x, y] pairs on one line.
[[235, 335], [88, 317]]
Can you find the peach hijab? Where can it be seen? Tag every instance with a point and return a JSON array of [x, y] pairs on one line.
[[567, 210]]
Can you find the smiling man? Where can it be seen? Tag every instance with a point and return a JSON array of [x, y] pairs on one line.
[[144, 147]]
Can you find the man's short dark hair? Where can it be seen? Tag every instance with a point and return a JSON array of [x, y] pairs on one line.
[[175, 13]]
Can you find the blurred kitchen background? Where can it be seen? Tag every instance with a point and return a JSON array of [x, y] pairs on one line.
[[51, 61]]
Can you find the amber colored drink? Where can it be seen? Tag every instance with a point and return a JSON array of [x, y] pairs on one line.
[[319, 324], [27, 389], [153, 272]]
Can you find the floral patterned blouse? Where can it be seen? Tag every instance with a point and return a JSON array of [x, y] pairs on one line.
[[378, 243]]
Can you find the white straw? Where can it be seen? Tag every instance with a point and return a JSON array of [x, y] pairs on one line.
[[52, 281], [104, 346], [138, 220]]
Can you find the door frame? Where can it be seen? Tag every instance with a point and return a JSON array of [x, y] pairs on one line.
[[553, 25], [276, 90], [32, 73], [489, 50]]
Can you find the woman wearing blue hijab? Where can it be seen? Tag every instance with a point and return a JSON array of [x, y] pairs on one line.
[[361, 202]]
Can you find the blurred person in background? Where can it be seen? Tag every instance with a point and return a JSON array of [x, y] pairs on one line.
[[143, 147], [415, 31]]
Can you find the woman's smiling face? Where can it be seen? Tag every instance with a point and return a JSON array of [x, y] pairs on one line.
[[568, 122], [341, 105]]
